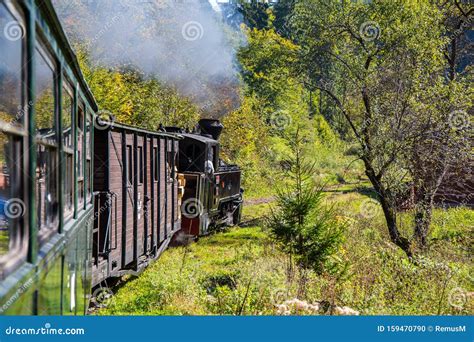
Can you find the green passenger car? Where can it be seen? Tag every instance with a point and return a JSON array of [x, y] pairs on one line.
[[46, 144]]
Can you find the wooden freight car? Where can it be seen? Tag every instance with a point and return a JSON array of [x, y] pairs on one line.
[[137, 208]]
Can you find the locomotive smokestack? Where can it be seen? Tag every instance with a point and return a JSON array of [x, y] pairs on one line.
[[212, 127]]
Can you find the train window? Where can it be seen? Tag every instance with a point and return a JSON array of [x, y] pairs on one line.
[[47, 188], [215, 156], [169, 166], [140, 165], [69, 183], [88, 156], [13, 111], [68, 147], [156, 159], [47, 206], [67, 113], [11, 67], [129, 165], [11, 206], [45, 106], [80, 154]]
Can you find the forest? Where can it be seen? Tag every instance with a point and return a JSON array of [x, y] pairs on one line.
[[352, 123]]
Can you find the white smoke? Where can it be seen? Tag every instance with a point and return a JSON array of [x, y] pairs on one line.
[[184, 43]]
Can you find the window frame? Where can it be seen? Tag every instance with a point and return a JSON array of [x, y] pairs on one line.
[[43, 48], [88, 141], [156, 161], [140, 166], [129, 168], [80, 153], [69, 152], [18, 231]]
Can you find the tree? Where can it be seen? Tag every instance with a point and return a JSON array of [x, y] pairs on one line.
[[305, 228], [265, 64], [458, 19], [375, 61], [255, 13]]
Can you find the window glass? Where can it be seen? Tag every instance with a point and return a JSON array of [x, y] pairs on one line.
[[47, 160], [69, 182], [47, 187], [11, 206], [140, 165], [45, 96], [129, 165], [88, 135], [11, 42], [67, 110], [88, 138], [89, 181], [80, 142], [155, 163]]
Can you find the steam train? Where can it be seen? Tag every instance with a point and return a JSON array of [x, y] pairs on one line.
[[84, 201]]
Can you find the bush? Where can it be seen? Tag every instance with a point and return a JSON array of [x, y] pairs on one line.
[[300, 223]]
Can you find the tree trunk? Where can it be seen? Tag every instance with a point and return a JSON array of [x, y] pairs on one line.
[[423, 216], [391, 220], [389, 211]]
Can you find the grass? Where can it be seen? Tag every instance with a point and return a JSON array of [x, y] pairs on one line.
[[4, 240], [242, 272]]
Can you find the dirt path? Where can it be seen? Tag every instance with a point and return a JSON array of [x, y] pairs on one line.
[[255, 201]]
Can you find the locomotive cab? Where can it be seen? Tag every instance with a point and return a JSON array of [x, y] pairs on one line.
[[212, 195]]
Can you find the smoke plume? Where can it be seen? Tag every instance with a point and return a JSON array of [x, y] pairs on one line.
[[183, 43]]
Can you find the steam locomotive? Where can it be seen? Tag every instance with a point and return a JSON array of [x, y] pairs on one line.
[[212, 192], [84, 200]]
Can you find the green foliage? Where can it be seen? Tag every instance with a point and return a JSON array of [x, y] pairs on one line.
[[255, 13], [266, 62], [244, 142], [301, 224], [137, 100]]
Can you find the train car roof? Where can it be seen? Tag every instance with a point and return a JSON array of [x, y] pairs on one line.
[[200, 138], [49, 13], [118, 125]]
